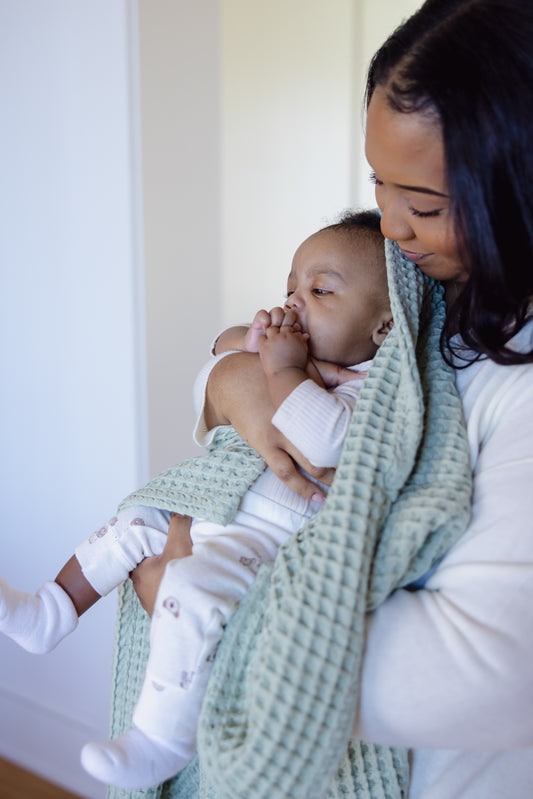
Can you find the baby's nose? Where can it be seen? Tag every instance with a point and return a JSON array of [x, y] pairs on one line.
[[293, 302]]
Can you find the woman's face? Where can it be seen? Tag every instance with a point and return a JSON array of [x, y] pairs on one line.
[[406, 154]]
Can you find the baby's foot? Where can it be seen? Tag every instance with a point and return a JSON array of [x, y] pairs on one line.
[[36, 622], [135, 760]]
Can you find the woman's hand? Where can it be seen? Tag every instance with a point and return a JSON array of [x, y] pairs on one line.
[[237, 394], [331, 374], [148, 574]]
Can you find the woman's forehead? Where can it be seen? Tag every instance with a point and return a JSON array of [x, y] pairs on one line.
[[405, 149]]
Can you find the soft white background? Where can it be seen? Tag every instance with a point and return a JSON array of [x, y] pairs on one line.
[[160, 162]]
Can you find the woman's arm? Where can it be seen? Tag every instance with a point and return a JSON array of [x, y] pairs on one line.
[[449, 666]]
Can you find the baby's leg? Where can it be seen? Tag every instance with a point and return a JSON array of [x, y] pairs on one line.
[[196, 598], [108, 555], [38, 622]]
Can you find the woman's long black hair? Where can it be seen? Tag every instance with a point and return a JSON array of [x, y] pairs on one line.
[[471, 62]]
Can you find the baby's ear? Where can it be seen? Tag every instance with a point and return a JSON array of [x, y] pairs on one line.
[[382, 329]]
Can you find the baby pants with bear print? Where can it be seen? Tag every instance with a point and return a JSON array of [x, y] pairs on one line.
[[197, 596]]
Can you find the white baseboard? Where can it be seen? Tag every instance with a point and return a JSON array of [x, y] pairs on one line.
[[46, 743]]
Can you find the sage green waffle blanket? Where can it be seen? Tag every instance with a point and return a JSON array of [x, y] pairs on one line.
[[284, 690]]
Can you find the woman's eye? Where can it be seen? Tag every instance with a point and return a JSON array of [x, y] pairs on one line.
[[373, 179], [321, 292], [425, 214]]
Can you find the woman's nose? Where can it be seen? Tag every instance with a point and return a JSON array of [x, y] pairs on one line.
[[394, 223]]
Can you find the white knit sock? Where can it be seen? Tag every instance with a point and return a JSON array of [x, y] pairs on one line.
[[135, 760], [36, 622]]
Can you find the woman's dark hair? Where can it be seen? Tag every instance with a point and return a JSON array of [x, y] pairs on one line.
[[471, 63]]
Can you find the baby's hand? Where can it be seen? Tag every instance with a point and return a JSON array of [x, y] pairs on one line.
[[284, 346], [262, 321], [265, 319]]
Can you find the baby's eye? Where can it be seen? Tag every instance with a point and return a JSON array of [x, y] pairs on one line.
[[321, 292], [289, 294]]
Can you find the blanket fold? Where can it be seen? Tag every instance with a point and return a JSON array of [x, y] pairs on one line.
[[284, 690], [210, 487]]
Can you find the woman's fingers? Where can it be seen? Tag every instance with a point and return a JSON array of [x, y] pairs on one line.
[[284, 467], [147, 576], [179, 542], [334, 375]]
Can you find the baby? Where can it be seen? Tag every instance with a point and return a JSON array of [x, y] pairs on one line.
[[337, 312]]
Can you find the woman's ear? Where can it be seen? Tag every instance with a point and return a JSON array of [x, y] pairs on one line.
[[382, 329]]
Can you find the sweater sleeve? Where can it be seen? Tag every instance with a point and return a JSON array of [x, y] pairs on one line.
[[316, 421], [202, 435], [449, 666]]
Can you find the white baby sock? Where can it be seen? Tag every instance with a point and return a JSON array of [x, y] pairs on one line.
[[36, 622], [135, 760]]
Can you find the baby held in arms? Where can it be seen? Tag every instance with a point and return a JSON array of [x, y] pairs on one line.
[[315, 353]]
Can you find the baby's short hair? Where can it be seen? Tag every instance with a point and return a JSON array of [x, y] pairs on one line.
[[363, 227], [366, 220]]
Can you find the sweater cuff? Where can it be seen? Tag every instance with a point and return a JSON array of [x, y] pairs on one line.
[[305, 411], [202, 435]]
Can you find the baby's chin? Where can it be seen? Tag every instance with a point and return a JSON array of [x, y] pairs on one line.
[[323, 357]]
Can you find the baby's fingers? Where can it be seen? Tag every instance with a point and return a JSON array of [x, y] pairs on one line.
[[261, 320], [291, 319], [276, 316]]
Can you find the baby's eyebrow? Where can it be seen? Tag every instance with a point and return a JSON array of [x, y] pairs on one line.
[[320, 270], [317, 271], [327, 270]]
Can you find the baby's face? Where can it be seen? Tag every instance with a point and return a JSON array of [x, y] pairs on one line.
[[337, 298]]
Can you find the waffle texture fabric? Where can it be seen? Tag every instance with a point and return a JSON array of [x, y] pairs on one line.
[[280, 704], [210, 487]]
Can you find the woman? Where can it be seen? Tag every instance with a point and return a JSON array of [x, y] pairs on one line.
[[446, 670]]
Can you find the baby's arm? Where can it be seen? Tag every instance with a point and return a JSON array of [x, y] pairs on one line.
[[314, 419], [231, 339]]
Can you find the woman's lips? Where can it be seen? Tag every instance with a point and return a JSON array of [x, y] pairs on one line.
[[415, 257]]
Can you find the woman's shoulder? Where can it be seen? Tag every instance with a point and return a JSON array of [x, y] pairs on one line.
[[470, 370], [497, 398]]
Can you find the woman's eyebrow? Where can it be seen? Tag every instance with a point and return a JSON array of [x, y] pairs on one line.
[[422, 190]]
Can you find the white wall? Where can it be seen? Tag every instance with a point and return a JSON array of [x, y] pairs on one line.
[[287, 139], [71, 326], [292, 132], [252, 138], [180, 102]]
